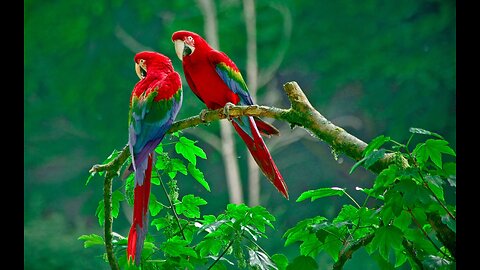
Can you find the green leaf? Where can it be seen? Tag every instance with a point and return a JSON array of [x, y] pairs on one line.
[[403, 220], [153, 205], [385, 238], [332, 246], [198, 175], [434, 182], [176, 165], [189, 150], [260, 260], [160, 223], [176, 247], [300, 232], [373, 157], [320, 193], [209, 246], [280, 260], [155, 180], [159, 148], [425, 132], [432, 149], [261, 217], [91, 240], [375, 144], [451, 223], [129, 190], [100, 213], [386, 177], [357, 164], [189, 206], [117, 197], [304, 263]]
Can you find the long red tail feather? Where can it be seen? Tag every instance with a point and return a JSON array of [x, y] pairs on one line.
[[138, 231], [262, 156]]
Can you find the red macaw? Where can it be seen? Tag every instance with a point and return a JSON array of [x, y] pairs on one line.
[[154, 104], [216, 81]]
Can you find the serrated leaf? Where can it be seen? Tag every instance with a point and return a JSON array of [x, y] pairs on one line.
[[435, 184], [154, 206], [91, 240], [117, 197], [425, 132], [375, 144], [176, 247], [280, 260], [160, 223], [198, 175], [385, 238], [209, 246], [320, 193], [300, 231], [403, 220], [386, 177], [304, 263], [311, 246], [189, 206], [189, 150], [332, 246], [260, 260], [261, 217], [432, 149], [176, 165]]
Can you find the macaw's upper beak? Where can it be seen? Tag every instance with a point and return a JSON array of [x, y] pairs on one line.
[[182, 49], [179, 47], [140, 70]]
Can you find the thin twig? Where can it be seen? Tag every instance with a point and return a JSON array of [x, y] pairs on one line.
[[171, 206]]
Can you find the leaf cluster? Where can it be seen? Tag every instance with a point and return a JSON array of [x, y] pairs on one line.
[[410, 222]]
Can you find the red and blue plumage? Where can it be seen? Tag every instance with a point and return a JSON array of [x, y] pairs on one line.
[[154, 104], [216, 81]]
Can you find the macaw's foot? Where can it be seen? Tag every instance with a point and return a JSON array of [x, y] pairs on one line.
[[202, 114], [226, 110]]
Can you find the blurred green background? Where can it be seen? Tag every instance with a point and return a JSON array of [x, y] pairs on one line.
[[372, 67]]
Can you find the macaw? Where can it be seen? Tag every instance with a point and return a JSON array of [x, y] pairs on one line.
[[216, 81], [154, 104]]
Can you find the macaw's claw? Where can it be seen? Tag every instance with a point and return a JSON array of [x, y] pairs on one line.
[[226, 110], [202, 115]]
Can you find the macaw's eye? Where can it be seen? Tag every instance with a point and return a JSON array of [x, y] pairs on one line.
[[189, 38]]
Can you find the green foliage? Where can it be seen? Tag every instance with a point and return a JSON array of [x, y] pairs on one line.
[[190, 239], [401, 227]]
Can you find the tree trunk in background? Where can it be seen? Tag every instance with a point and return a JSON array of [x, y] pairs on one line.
[[228, 143], [252, 82]]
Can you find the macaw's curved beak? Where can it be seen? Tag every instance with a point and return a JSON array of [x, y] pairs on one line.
[[182, 49], [179, 47], [140, 70]]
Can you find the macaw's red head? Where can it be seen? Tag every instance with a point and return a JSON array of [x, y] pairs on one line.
[[147, 62], [187, 42]]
